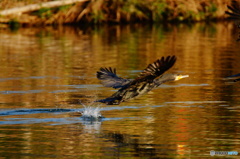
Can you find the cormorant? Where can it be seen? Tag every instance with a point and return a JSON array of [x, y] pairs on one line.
[[146, 81], [235, 10], [234, 13], [233, 76]]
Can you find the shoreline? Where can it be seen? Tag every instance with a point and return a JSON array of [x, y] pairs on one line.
[[87, 12]]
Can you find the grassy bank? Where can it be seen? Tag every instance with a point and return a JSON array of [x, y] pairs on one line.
[[118, 11]]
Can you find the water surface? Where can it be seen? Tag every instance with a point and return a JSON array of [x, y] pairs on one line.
[[47, 73]]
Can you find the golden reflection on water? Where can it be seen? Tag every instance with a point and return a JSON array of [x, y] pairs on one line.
[[55, 68]]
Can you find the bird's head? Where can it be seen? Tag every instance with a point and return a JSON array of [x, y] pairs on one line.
[[178, 77], [170, 77]]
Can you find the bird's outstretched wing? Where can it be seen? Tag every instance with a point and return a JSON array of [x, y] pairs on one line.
[[109, 78], [134, 88], [156, 69], [235, 10], [234, 13], [234, 76]]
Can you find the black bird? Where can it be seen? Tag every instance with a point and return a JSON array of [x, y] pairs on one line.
[[234, 10], [234, 13], [234, 77], [146, 81]]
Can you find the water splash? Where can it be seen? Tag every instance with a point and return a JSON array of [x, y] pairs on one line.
[[91, 113]]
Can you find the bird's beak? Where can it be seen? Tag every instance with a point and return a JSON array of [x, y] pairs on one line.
[[181, 76]]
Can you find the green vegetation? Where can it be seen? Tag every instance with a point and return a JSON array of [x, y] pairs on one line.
[[43, 13], [131, 11], [63, 8], [127, 11], [158, 10]]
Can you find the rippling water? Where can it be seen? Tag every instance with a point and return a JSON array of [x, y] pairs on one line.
[[49, 74]]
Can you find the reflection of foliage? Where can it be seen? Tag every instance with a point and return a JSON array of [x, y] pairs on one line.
[[13, 24]]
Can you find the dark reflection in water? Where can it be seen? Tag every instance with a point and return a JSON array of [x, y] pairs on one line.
[[46, 73]]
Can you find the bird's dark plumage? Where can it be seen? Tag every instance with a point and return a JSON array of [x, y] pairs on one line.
[[234, 77], [234, 13], [109, 78], [235, 10], [146, 81], [156, 69]]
